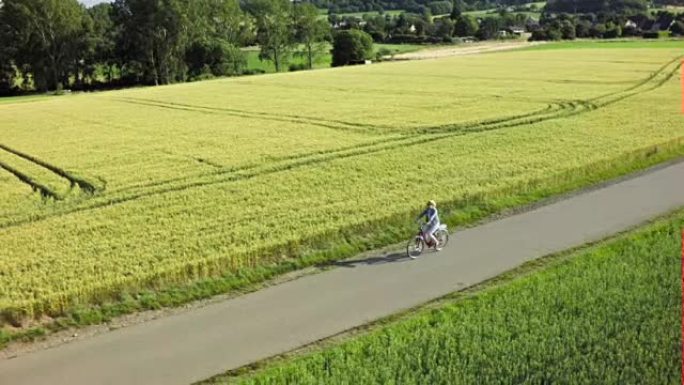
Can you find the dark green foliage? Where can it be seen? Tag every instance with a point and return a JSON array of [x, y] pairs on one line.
[[351, 46], [46, 35], [218, 58], [275, 32], [489, 28], [7, 48], [567, 30], [443, 28], [466, 26], [597, 6], [610, 314], [153, 36], [311, 31], [440, 7], [677, 28]]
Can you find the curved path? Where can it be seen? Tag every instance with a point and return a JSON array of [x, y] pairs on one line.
[[197, 344]]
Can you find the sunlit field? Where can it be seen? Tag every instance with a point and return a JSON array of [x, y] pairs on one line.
[[117, 191]]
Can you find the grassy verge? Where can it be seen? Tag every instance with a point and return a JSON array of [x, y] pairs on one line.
[[345, 243], [608, 314]]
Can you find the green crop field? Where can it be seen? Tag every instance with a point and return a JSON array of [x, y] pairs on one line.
[[607, 315], [151, 188], [323, 60]]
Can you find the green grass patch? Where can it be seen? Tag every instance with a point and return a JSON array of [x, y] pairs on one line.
[[608, 44], [607, 314], [322, 61]]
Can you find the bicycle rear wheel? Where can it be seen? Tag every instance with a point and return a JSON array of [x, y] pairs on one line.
[[414, 247], [442, 238]]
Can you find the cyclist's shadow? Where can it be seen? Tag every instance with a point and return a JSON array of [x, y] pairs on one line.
[[389, 258]]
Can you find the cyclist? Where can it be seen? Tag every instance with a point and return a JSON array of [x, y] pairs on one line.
[[431, 224]]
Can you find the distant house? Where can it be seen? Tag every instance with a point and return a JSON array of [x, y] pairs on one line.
[[516, 30], [360, 62], [512, 31], [630, 24]]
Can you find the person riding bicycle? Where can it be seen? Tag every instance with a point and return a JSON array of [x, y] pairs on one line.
[[431, 223]]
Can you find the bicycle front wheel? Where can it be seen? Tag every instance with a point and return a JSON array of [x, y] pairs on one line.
[[415, 247]]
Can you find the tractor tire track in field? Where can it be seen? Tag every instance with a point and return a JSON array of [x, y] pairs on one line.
[[331, 124], [360, 149], [84, 185], [44, 191], [431, 134]]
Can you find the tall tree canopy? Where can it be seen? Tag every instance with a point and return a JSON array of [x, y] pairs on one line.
[[46, 36], [275, 32], [597, 6], [310, 30], [154, 34]]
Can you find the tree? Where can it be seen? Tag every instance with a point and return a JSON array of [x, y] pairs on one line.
[[377, 27], [213, 58], [6, 69], [677, 28], [466, 26], [104, 35], [310, 30], [274, 24], [567, 30], [444, 28], [351, 46], [489, 28], [440, 7], [597, 30], [45, 33], [219, 19], [582, 28], [7, 48], [153, 37], [597, 6], [612, 31], [457, 9], [216, 29]]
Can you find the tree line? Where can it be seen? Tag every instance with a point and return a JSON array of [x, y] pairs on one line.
[[629, 22], [424, 28], [413, 6], [50, 44]]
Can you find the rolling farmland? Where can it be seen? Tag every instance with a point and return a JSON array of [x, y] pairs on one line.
[[118, 191]]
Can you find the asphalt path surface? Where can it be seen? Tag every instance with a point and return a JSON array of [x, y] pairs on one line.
[[203, 342]]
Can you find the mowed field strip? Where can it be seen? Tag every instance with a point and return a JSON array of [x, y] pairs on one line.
[[110, 193]]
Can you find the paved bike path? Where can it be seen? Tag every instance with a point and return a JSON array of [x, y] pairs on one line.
[[197, 344]]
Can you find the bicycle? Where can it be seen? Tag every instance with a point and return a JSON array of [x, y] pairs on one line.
[[417, 244]]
